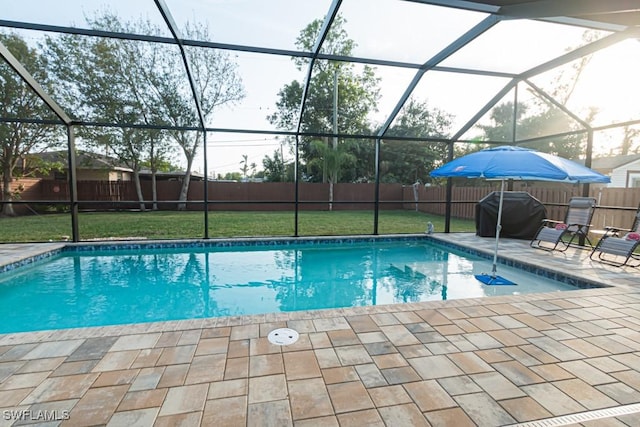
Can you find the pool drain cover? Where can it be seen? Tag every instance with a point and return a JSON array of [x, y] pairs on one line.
[[283, 336]]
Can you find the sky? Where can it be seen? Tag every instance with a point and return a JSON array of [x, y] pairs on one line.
[[387, 29]]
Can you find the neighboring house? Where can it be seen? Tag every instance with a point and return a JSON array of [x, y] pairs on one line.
[[97, 167], [89, 167], [624, 171]]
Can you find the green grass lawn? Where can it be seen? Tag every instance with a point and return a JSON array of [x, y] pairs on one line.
[[176, 225]]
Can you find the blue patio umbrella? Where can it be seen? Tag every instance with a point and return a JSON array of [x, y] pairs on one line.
[[517, 163]]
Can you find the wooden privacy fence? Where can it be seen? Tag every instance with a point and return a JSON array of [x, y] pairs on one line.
[[616, 206]]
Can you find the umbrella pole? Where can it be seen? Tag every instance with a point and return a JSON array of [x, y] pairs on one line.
[[498, 229]]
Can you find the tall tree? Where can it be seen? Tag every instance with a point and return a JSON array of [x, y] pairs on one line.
[[411, 161], [356, 96], [146, 82], [17, 140]]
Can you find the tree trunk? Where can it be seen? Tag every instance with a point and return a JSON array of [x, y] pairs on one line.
[[330, 195], [154, 191], [7, 208], [184, 190], [136, 180]]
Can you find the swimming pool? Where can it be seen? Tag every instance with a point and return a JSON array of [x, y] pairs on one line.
[[97, 285]]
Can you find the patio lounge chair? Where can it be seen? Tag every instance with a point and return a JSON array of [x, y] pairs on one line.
[[559, 235], [617, 246]]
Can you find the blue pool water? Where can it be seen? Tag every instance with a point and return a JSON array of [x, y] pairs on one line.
[[95, 288]]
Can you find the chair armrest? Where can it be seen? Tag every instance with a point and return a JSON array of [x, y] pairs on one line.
[[549, 222], [615, 231]]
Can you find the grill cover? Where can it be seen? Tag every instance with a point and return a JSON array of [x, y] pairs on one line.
[[522, 215]]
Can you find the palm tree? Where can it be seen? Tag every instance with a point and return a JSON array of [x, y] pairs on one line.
[[333, 160]]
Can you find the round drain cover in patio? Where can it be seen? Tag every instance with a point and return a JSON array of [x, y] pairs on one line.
[[283, 336]]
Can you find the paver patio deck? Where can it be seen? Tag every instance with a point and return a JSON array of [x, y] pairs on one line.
[[487, 362]]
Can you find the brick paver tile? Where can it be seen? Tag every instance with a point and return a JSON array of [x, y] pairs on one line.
[[173, 376], [18, 381], [606, 364], [262, 346], [116, 378], [135, 342], [309, 399], [362, 324], [444, 347], [347, 397], [267, 388], [136, 417], [621, 393], [12, 398], [533, 322], [407, 317], [340, 375], [400, 375], [327, 358], [97, 405], [483, 410], [384, 319], [215, 332], [239, 348], [389, 395], [553, 399], [320, 340], [168, 339], [236, 368], [610, 345], [383, 347], [493, 355], [556, 349], [525, 409], [205, 369], [192, 419], [452, 313], [403, 415], [269, 414], [517, 373], [429, 395], [353, 355], [410, 351], [331, 324], [61, 388], [437, 366], [369, 418], [230, 411], [92, 348], [587, 395], [343, 337], [146, 358], [230, 388], [330, 421], [587, 373], [268, 364], [497, 386], [433, 317], [143, 399], [385, 361], [177, 355], [518, 353], [301, 364], [482, 340], [245, 332], [459, 385], [399, 335], [370, 375], [52, 349], [507, 322], [184, 399], [371, 337], [538, 354], [630, 378], [449, 417], [212, 346], [470, 363], [190, 337], [507, 338], [116, 361], [552, 372]]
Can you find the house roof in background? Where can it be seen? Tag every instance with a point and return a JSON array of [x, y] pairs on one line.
[[84, 160], [607, 164]]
